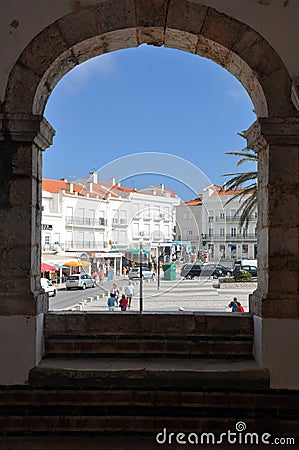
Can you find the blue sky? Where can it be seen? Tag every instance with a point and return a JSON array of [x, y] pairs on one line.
[[147, 99]]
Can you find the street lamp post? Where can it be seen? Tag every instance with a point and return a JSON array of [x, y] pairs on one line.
[[158, 269], [140, 287]]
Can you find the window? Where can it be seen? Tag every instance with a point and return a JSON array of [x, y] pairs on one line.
[[222, 232], [233, 232], [222, 215], [211, 232], [245, 232], [123, 217], [233, 214]]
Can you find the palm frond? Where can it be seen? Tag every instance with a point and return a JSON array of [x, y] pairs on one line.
[[244, 183]]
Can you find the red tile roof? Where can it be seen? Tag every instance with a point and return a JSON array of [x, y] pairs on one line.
[[56, 186], [194, 202]]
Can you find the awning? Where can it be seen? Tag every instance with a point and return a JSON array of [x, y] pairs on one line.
[[77, 263], [47, 268]]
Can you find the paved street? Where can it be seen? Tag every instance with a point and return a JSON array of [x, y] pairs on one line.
[[192, 295]]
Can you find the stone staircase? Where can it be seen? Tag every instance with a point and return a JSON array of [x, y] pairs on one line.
[[115, 380]]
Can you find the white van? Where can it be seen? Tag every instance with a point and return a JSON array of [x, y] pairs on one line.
[[246, 262], [48, 287]]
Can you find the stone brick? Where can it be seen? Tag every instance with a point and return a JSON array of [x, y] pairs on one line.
[[180, 40], [257, 54], [81, 25], [213, 51], [221, 29], [15, 299], [61, 66], [21, 89], [284, 242], [151, 13], [150, 36], [186, 16], [36, 58], [287, 204], [115, 40], [278, 81], [115, 15]]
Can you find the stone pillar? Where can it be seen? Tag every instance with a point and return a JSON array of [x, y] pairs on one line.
[[22, 302], [275, 303]]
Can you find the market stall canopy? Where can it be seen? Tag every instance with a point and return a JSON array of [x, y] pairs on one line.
[[77, 264], [47, 268]]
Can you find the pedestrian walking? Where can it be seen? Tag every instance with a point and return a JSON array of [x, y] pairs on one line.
[[240, 307], [101, 276], [111, 302], [234, 304], [115, 291], [129, 291], [123, 302]]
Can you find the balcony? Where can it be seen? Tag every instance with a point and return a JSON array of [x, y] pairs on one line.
[[229, 238], [235, 219], [85, 221], [56, 247], [116, 222], [84, 245]]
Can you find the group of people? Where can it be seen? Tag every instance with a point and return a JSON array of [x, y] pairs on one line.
[[125, 301], [235, 305]]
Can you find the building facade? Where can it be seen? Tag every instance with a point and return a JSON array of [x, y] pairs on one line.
[[221, 232], [211, 223], [92, 217]]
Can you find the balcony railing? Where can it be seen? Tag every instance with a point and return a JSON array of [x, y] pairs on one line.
[[234, 218], [56, 247], [86, 221], [119, 222], [237, 237], [85, 245]]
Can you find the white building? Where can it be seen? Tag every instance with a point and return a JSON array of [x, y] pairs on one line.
[[212, 226], [92, 217], [220, 226], [189, 224]]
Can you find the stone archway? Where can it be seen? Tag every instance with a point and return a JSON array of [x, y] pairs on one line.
[[112, 25], [181, 24]]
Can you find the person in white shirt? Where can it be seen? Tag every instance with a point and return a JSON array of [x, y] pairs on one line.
[[129, 291]]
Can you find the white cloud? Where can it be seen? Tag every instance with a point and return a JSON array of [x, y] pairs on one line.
[[99, 66]]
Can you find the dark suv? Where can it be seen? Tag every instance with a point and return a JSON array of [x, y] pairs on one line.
[[216, 270], [190, 271]]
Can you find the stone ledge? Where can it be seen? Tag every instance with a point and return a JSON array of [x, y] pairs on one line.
[[237, 285], [148, 372]]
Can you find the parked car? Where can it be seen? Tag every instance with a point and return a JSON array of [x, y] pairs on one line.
[[80, 281], [216, 270], [189, 271], [246, 262], [245, 268], [146, 273], [48, 287]]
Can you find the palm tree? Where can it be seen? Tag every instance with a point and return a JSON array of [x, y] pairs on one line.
[[244, 183]]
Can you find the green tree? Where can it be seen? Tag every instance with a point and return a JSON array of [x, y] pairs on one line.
[[244, 183]]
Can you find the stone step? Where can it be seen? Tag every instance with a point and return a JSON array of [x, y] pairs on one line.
[[106, 334], [149, 372], [79, 409], [186, 347]]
